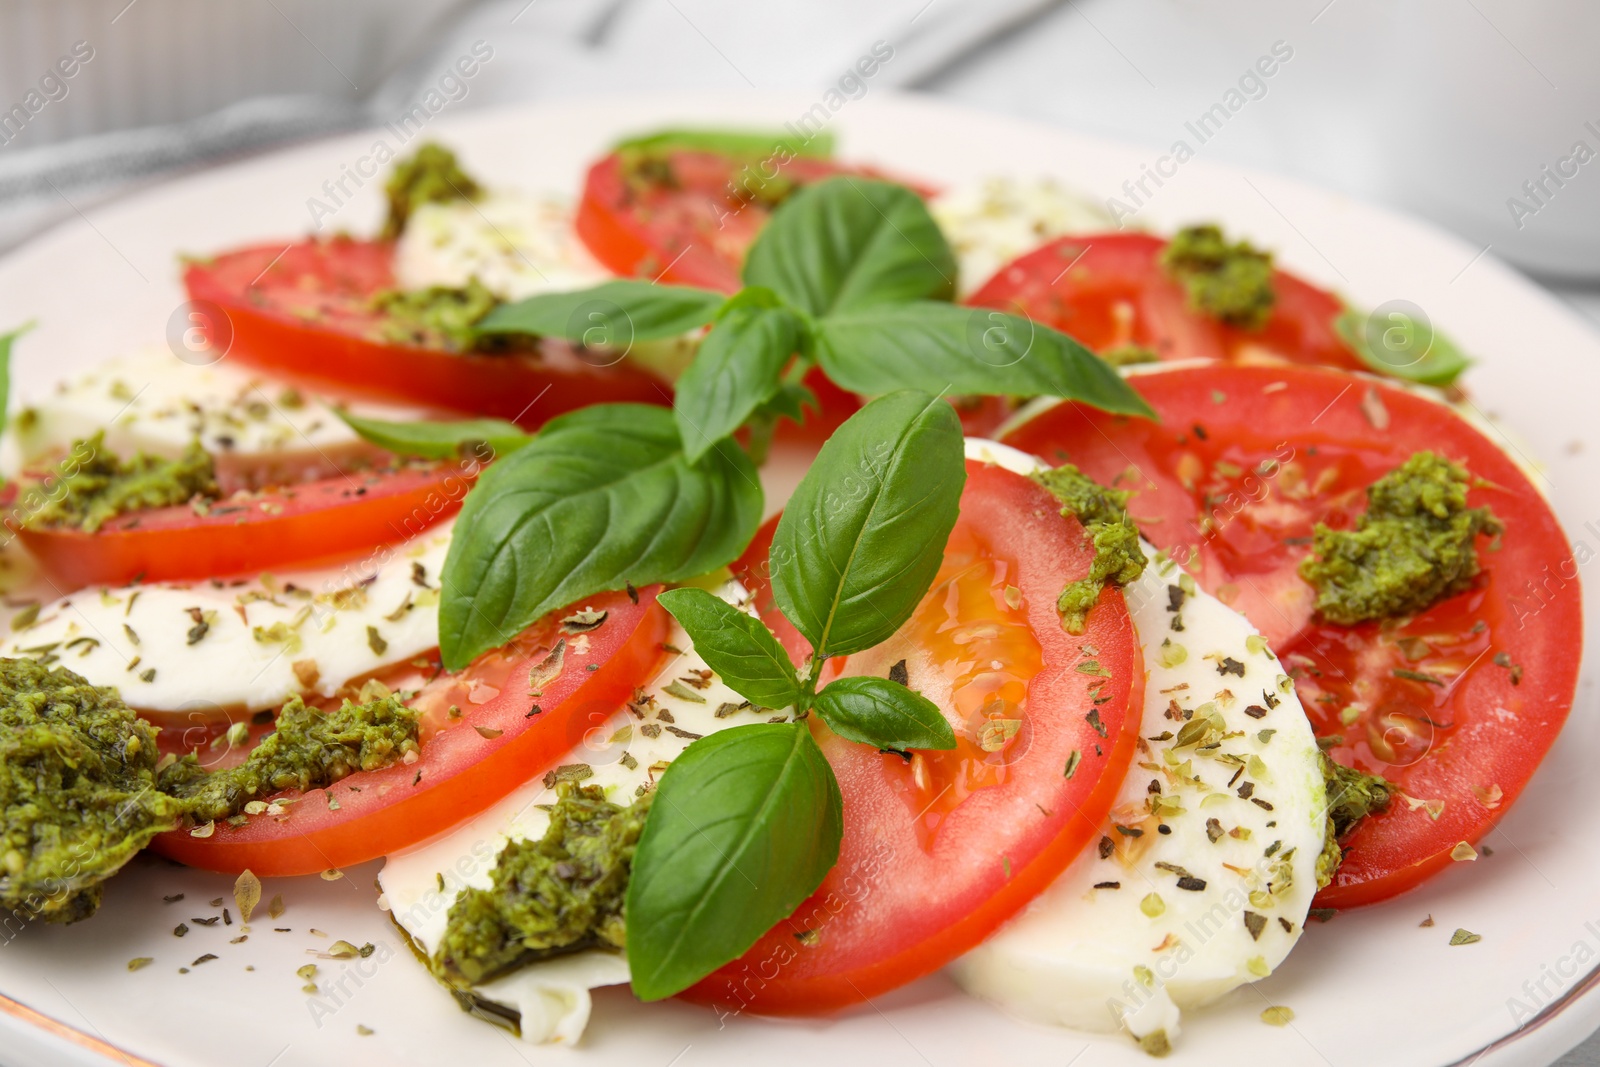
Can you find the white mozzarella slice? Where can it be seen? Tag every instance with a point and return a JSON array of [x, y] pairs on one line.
[[625, 753], [1153, 920], [515, 245], [993, 222], [211, 645], [552, 997], [154, 402]]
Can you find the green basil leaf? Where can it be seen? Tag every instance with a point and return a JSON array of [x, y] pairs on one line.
[[439, 440], [850, 243], [1400, 345], [738, 368], [738, 646], [6, 341], [883, 714], [790, 402], [863, 535], [740, 144], [944, 348], [744, 826], [613, 314], [601, 498]]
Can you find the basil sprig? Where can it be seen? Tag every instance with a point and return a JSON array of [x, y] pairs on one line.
[[744, 826], [854, 553], [439, 440], [853, 273], [612, 314], [601, 498], [746, 823]]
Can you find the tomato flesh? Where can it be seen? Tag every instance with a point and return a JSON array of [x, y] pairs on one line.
[[1455, 705], [942, 848], [504, 735], [306, 312], [300, 525], [1110, 291]]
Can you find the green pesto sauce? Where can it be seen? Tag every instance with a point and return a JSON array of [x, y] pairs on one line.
[[432, 176], [81, 791], [1229, 282], [1118, 559], [561, 893], [77, 786], [93, 485], [1129, 355], [1414, 546], [308, 749], [1352, 796], [438, 316], [758, 157]]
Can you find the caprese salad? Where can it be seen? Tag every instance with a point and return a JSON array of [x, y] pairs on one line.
[[1135, 607]]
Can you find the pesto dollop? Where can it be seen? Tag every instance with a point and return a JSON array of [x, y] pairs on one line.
[[93, 485], [82, 794], [1118, 559], [1129, 355], [308, 749], [1232, 283], [561, 893], [1414, 545], [77, 787], [431, 176], [1352, 796], [438, 316]]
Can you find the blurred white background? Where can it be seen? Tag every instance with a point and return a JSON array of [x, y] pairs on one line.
[[1480, 115]]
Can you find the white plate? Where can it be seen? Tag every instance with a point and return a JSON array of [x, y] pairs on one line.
[[1371, 987]]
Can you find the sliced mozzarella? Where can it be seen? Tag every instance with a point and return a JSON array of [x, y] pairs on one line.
[[624, 753], [515, 245], [1156, 920], [199, 646], [993, 222], [154, 402]]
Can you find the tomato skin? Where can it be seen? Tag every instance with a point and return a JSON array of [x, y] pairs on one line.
[[305, 313], [301, 525], [461, 772], [1110, 290], [1474, 740], [911, 890]]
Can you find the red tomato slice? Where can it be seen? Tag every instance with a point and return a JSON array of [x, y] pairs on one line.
[[299, 525], [504, 736], [305, 312], [1245, 461], [1110, 290], [690, 220], [939, 850]]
